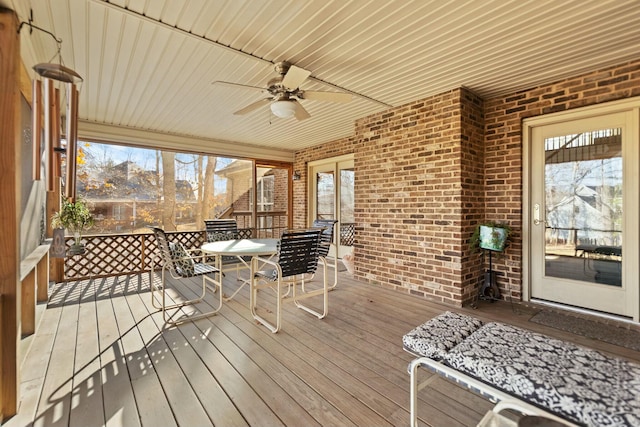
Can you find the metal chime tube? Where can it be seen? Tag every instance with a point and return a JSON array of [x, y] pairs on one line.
[[49, 123], [36, 128], [55, 161], [72, 137]]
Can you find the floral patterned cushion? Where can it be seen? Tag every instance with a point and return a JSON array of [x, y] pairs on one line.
[[216, 236], [573, 382], [437, 336], [185, 266]]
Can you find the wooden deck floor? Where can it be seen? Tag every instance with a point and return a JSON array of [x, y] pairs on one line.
[[102, 356]]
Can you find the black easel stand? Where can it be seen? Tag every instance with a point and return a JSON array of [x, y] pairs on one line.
[[490, 290]]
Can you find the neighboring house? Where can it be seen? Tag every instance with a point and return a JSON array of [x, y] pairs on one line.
[[126, 197], [271, 194], [582, 219]]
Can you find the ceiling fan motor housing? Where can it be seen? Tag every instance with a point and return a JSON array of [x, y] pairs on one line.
[[282, 68]]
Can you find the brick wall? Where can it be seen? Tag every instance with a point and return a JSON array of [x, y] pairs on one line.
[[427, 172], [409, 194], [281, 187]]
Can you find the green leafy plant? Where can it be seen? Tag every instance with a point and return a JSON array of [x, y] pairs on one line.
[[498, 235], [75, 217]]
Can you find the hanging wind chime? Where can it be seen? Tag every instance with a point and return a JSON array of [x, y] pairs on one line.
[[47, 119]]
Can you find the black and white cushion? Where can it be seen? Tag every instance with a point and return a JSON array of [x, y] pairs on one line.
[[574, 382], [185, 266], [434, 338], [217, 236]]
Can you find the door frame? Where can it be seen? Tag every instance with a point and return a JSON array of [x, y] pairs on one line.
[[633, 156], [311, 190]]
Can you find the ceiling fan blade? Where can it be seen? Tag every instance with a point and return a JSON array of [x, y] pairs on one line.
[[249, 108], [301, 113], [221, 83], [326, 96], [294, 77]]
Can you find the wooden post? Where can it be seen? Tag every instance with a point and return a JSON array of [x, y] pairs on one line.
[[28, 304], [42, 279], [9, 213]]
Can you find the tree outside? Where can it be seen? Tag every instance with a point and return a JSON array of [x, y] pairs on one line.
[[129, 189]]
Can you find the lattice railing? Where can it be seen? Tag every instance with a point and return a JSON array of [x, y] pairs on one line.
[[116, 254], [347, 234]]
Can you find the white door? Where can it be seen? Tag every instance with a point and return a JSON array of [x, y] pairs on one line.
[[332, 191], [583, 212]]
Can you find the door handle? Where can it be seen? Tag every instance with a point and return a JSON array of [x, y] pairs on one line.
[[536, 215]]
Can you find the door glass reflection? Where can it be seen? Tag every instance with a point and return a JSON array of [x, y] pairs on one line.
[[584, 203]]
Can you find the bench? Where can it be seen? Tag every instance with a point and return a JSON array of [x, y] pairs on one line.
[[540, 375], [34, 286]]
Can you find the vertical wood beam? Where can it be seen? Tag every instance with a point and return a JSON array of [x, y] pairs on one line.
[[42, 279], [28, 304], [9, 212]]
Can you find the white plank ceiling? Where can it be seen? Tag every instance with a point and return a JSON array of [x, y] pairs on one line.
[[148, 65]]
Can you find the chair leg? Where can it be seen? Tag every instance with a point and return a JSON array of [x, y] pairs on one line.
[[257, 284], [335, 271], [164, 307], [324, 292], [255, 287], [154, 288], [325, 261]]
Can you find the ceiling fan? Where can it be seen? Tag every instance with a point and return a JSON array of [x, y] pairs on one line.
[[285, 93]]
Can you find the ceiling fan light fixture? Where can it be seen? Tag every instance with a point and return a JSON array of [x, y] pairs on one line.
[[283, 109]]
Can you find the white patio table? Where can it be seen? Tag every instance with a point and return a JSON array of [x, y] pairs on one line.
[[240, 248]]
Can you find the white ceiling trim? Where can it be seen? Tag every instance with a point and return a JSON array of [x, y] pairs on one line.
[[91, 131]]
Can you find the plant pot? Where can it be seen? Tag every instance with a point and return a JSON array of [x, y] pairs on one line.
[[76, 249], [492, 238]]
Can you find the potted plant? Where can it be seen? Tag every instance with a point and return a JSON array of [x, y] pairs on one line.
[[489, 235], [75, 217]]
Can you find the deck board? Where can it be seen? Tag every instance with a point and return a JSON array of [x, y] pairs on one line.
[[103, 356], [117, 391]]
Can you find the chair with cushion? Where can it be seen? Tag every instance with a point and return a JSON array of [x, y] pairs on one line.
[[182, 266], [326, 241], [227, 229], [298, 255]]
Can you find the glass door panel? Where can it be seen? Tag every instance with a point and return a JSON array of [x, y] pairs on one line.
[[325, 195], [584, 206], [347, 222]]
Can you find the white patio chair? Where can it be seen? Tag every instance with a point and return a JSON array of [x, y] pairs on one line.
[[298, 255], [181, 265]]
